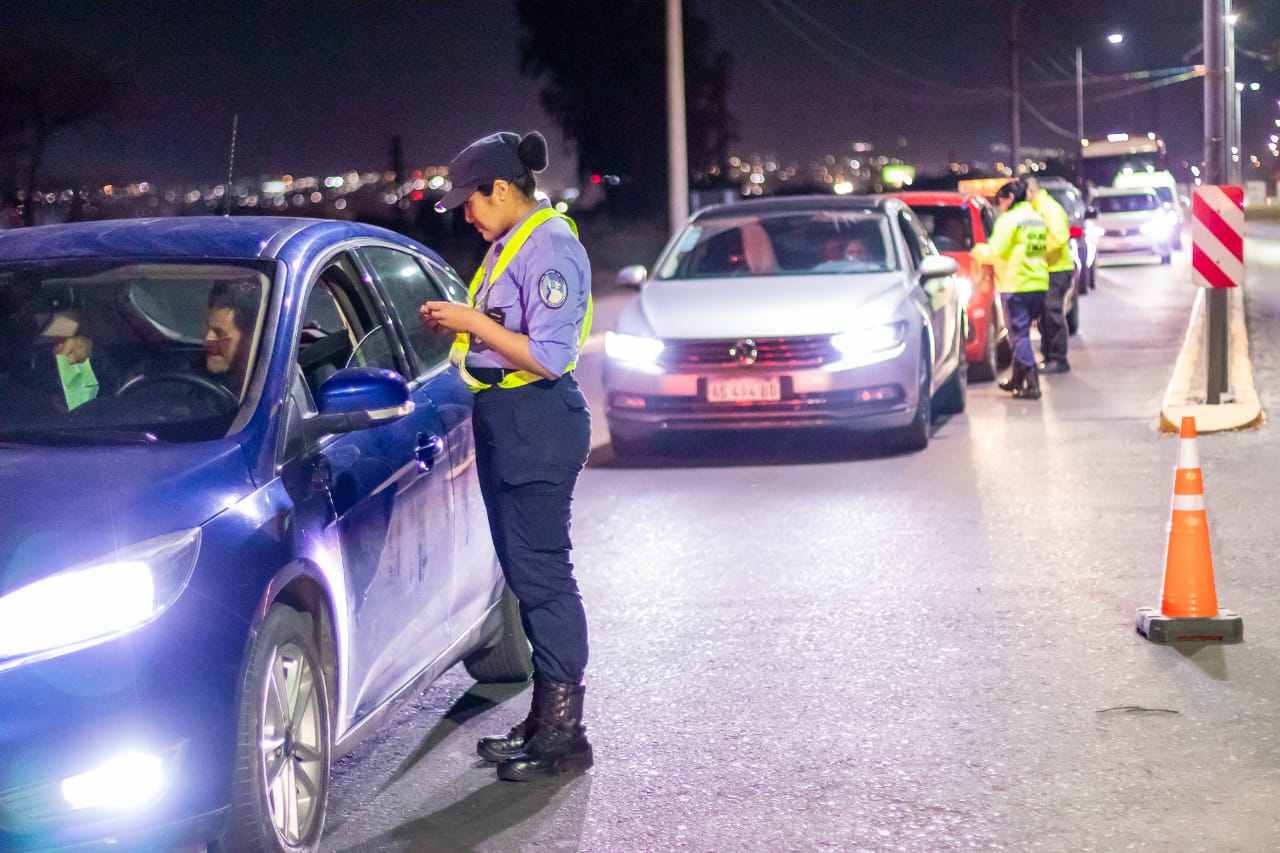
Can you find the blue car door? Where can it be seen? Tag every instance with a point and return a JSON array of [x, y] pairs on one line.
[[390, 500], [408, 282]]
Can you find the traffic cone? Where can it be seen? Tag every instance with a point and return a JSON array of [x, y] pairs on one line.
[[1189, 606]]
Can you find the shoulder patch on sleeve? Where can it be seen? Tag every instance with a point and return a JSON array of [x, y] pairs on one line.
[[553, 288]]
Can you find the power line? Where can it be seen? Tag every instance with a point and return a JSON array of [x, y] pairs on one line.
[[1056, 128], [952, 92]]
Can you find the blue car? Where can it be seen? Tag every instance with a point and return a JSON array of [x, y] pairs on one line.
[[240, 522]]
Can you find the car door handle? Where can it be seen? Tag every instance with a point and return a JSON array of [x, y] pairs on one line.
[[428, 451]]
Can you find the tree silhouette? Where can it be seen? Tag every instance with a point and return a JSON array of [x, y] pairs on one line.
[[43, 91], [603, 73]]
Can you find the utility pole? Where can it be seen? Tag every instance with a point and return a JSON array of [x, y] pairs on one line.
[[1015, 60], [1079, 116], [1216, 158], [677, 137]]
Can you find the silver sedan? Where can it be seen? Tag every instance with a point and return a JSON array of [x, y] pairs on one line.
[[821, 311]]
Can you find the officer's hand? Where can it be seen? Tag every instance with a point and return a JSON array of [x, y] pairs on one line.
[[75, 349], [445, 316]]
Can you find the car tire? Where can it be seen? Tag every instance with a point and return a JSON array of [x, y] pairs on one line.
[[1085, 282], [984, 370], [509, 659], [915, 435], [951, 396], [629, 446], [1166, 259], [280, 788]]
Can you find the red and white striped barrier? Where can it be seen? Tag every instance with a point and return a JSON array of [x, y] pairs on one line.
[[1217, 237]]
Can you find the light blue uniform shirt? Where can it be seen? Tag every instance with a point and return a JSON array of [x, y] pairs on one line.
[[542, 293]]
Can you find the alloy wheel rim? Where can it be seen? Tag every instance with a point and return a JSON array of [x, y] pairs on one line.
[[292, 747]]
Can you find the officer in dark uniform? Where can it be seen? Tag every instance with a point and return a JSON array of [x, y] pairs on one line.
[[516, 346]]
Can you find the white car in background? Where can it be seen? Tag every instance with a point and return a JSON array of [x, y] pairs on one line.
[[805, 311], [1133, 221]]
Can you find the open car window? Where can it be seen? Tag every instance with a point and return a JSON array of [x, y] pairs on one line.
[[94, 351]]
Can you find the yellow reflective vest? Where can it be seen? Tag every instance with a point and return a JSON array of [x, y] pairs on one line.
[[462, 342], [1058, 247], [1016, 250]]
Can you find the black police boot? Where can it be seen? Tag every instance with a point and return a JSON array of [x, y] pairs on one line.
[[1013, 381], [1031, 390], [504, 748], [560, 743]]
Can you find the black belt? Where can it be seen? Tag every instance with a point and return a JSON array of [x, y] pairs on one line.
[[489, 375]]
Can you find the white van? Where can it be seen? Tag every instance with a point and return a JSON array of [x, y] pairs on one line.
[[1166, 188], [1134, 221]]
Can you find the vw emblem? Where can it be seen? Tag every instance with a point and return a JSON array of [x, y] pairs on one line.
[[744, 352]]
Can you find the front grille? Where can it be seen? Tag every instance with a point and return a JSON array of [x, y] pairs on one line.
[[1123, 232], [796, 352]]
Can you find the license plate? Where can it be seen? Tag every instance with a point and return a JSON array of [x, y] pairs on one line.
[[744, 389]]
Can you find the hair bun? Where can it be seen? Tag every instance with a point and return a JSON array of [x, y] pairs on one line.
[[533, 151]]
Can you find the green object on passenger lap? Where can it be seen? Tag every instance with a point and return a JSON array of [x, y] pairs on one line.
[[79, 383]]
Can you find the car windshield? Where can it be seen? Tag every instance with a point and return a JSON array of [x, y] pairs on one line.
[[950, 226], [793, 242], [124, 351], [1126, 203]]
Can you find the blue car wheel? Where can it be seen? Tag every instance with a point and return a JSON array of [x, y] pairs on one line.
[[281, 782]]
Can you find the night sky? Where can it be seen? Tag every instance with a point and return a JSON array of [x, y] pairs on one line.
[[322, 86]]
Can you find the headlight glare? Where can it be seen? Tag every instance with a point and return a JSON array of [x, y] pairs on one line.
[[95, 601], [872, 341], [632, 348]]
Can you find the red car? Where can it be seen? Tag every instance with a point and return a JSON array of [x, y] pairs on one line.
[[957, 222]]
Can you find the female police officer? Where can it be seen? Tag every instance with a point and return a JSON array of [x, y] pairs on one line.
[[515, 347], [1017, 252]]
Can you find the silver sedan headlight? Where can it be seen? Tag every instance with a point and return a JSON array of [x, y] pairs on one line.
[[95, 601], [632, 349], [870, 345]]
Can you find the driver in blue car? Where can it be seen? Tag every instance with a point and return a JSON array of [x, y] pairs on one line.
[[215, 385], [233, 313]]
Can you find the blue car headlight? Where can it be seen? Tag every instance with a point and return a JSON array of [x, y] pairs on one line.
[[870, 345], [95, 601], [632, 348]]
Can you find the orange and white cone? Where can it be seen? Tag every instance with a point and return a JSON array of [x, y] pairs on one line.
[[1189, 604]]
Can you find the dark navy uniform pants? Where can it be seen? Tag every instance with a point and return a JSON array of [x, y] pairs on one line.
[[1053, 319], [1019, 310], [531, 443]]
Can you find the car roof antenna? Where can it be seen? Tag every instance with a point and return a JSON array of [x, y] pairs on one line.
[[231, 166]]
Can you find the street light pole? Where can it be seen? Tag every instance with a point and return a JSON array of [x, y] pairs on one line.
[[677, 139], [1233, 95], [1079, 112], [1216, 158]]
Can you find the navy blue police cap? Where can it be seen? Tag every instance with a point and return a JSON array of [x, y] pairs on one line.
[[491, 158]]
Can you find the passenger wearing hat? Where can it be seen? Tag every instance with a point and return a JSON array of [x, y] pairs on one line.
[[516, 346]]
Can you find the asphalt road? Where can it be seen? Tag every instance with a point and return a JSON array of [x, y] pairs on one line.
[[801, 645]]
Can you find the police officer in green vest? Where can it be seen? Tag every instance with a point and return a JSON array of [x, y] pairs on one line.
[[1054, 333], [516, 346]]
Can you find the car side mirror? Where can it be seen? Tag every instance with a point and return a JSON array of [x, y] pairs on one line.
[[937, 266], [631, 276], [358, 398]]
